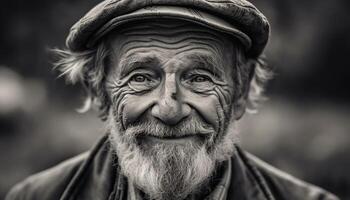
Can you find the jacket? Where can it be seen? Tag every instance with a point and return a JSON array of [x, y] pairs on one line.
[[95, 175]]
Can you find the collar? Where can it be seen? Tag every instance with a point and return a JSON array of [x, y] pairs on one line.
[[99, 177]]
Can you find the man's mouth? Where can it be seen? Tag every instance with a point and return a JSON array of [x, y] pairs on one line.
[[173, 139]]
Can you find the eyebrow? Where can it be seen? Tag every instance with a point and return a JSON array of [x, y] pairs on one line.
[[201, 61], [206, 62], [137, 62]]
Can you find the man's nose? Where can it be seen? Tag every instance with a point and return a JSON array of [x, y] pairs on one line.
[[169, 107]]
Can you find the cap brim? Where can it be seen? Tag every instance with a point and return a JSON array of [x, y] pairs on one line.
[[173, 12]]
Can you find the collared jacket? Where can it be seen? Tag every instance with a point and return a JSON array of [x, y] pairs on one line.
[[95, 175]]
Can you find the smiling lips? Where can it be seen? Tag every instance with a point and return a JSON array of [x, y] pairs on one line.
[[173, 139]]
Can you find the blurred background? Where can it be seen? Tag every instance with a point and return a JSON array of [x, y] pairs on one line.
[[303, 128]]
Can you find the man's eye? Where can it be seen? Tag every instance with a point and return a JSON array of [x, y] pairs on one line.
[[139, 78], [200, 79], [142, 82]]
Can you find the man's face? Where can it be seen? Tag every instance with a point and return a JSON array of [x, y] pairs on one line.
[[171, 88]]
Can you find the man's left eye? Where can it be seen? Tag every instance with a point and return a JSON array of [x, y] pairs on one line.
[[200, 78], [139, 78]]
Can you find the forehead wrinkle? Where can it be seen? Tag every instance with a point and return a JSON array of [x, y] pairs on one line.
[[129, 42], [156, 47], [171, 40], [175, 51], [216, 49], [141, 50], [176, 40], [133, 34], [157, 44], [163, 43], [191, 48]]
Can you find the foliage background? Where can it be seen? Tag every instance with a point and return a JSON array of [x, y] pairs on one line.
[[303, 128]]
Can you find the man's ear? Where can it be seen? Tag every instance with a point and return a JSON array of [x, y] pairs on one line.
[[239, 107], [240, 103]]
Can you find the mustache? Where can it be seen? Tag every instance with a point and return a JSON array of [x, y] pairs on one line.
[[150, 126]]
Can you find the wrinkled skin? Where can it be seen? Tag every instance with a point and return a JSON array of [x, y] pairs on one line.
[[171, 90]]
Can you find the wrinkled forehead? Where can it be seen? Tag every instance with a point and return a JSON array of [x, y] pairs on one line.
[[171, 36]]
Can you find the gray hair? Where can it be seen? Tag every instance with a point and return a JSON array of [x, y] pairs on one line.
[[90, 68]]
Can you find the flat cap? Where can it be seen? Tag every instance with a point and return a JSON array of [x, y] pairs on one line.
[[238, 18]]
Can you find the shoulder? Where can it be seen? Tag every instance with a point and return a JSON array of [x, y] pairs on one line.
[[284, 186], [48, 184]]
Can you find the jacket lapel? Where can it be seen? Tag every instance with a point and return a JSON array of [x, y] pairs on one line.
[[97, 178], [246, 182]]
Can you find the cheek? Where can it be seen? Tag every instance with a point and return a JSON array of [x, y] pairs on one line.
[[213, 106], [133, 106], [128, 104], [118, 98], [225, 97]]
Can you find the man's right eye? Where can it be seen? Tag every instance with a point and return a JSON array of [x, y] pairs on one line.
[[142, 82], [139, 78]]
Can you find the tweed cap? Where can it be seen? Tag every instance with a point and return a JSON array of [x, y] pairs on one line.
[[239, 18]]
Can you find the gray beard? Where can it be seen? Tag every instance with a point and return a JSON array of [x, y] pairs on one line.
[[168, 171]]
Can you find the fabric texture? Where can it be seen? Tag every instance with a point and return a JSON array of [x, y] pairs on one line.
[[95, 175], [248, 24]]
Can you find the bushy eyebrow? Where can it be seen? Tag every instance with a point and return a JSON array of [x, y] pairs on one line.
[[136, 61], [197, 61], [206, 62]]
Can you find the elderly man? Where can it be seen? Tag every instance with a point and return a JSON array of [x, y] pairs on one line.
[[171, 79]]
